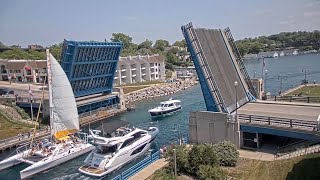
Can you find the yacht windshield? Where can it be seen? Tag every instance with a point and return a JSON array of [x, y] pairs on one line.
[[107, 149]]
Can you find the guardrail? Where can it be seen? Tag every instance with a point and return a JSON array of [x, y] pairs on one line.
[[137, 167], [145, 162], [308, 99], [314, 125]]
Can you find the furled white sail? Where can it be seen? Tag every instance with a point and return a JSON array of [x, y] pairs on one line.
[[63, 107]]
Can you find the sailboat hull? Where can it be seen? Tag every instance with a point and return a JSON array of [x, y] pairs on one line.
[[12, 161], [53, 161]]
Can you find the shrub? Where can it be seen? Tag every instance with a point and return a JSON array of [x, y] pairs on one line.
[[227, 153], [207, 172], [163, 173], [181, 155], [22, 112], [201, 155]]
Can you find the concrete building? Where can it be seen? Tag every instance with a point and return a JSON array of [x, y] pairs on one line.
[[270, 54], [281, 53], [133, 69], [250, 56], [25, 71], [186, 72], [290, 52]]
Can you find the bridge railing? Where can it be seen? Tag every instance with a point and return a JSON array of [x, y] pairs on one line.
[[314, 125], [146, 161], [309, 99], [137, 167]]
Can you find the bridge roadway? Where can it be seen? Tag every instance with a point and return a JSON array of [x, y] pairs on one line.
[[296, 120], [222, 66], [288, 110]]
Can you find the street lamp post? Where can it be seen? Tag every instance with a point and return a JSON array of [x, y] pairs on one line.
[[177, 129], [235, 86], [265, 81], [175, 162]]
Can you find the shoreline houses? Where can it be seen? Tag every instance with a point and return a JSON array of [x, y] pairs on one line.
[[130, 69], [24, 71], [140, 68], [272, 54]]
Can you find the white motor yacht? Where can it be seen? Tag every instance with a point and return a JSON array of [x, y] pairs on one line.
[[112, 153], [63, 144], [166, 108]]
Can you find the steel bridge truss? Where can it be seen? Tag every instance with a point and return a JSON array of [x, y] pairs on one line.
[[212, 96]]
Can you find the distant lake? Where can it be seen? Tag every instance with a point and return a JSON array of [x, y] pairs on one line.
[[290, 68]]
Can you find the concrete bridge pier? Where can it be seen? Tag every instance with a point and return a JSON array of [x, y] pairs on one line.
[[213, 127]]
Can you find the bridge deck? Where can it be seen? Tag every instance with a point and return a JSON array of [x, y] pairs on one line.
[[300, 111], [222, 67]]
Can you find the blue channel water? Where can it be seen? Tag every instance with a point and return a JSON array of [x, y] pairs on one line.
[[289, 67]]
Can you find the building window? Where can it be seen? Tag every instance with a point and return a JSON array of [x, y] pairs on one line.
[[3, 69], [28, 72]]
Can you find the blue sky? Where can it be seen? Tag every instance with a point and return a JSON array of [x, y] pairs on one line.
[[48, 22]]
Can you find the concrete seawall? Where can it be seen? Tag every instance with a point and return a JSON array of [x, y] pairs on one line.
[[158, 90]]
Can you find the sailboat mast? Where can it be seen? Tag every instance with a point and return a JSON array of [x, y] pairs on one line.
[[50, 91]]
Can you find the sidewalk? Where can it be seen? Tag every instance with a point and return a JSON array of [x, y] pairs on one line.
[[149, 170], [262, 156]]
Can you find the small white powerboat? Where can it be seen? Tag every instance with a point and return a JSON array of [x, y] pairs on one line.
[[166, 108]]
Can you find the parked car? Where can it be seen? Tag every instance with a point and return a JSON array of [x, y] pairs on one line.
[[4, 91]]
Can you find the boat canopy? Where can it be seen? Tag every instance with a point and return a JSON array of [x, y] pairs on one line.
[[64, 119]]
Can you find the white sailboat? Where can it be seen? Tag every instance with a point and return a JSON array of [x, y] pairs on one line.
[[64, 123]]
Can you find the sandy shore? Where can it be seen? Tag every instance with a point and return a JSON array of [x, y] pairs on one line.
[[158, 90]]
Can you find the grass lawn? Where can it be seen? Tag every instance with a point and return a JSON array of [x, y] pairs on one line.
[[8, 129], [305, 167], [130, 89], [307, 91]]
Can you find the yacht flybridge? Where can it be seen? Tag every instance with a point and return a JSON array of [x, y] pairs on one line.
[[64, 143], [112, 153], [166, 108]]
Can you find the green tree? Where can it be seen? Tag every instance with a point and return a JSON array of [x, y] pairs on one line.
[[121, 37], [15, 53], [56, 50], [227, 153], [181, 43], [182, 158], [147, 44], [161, 44], [171, 58], [208, 172], [201, 155]]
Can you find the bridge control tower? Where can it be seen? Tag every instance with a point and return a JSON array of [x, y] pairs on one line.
[[90, 68]]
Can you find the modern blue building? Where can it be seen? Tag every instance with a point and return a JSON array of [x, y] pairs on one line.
[[90, 67]]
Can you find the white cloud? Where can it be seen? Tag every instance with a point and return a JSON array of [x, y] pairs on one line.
[[311, 14]]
